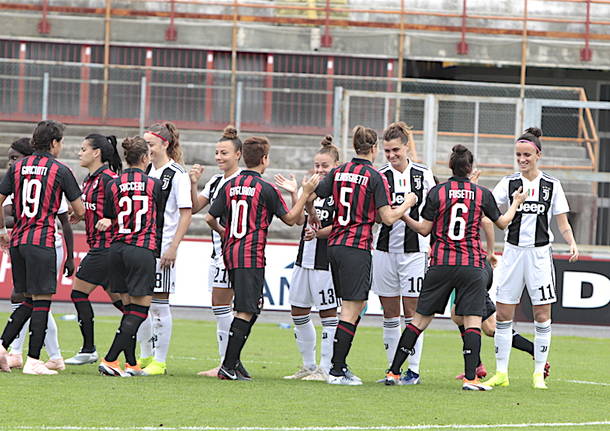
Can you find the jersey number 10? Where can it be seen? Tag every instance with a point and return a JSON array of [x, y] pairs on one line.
[[239, 218]]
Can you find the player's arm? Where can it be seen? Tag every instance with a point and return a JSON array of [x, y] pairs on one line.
[[217, 209], [69, 241], [214, 225], [490, 241], [504, 220], [198, 200], [568, 235], [422, 227], [324, 232], [104, 224], [389, 215], [309, 185], [290, 185], [4, 238], [184, 198]]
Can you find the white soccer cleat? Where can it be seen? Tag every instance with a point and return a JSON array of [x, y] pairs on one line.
[[55, 364], [83, 358], [474, 385], [302, 373], [319, 375], [36, 367], [346, 380]]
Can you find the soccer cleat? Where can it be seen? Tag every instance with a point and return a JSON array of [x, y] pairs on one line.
[[15, 360], [36, 367], [4, 367], [475, 385], [145, 362], [133, 370], [346, 380], [82, 358], [209, 373], [301, 373], [499, 379], [481, 372], [56, 364], [547, 370], [318, 375], [112, 369], [538, 381], [392, 379], [155, 368], [242, 372], [410, 378], [226, 374], [348, 373]]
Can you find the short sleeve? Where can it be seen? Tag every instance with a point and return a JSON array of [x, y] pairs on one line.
[[218, 207], [432, 204], [276, 203], [158, 196], [500, 192], [7, 186], [8, 201], [381, 190], [207, 189], [325, 188], [560, 203], [109, 210], [429, 181], [183, 195], [69, 185], [63, 206], [489, 206]]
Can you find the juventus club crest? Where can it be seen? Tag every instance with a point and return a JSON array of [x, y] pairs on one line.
[[546, 193], [166, 181], [417, 183]]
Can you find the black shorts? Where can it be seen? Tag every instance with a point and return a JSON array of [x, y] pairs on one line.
[[247, 284], [95, 268], [439, 282], [351, 271], [34, 269], [133, 269]]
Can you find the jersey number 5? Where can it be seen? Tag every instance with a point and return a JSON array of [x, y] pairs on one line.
[[457, 221], [344, 220], [30, 197], [126, 204], [239, 218]]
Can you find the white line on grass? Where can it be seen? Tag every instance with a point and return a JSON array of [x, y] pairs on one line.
[[584, 382], [343, 428]]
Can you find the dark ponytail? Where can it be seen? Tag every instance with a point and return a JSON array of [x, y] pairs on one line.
[[461, 161], [532, 135], [23, 146], [364, 140], [108, 148]]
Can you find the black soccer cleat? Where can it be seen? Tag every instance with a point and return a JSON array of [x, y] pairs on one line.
[[226, 374], [242, 373]]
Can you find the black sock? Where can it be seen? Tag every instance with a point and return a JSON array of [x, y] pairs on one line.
[[522, 343], [472, 352], [238, 334], [141, 313], [38, 327], [16, 322], [119, 305], [125, 336], [344, 336], [461, 329], [85, 319], [405, 347]]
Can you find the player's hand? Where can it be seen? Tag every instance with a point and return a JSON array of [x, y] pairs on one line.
[[69, 267], [493, 260], [475, 175], [309, 185], [288, 184], [519, 196], [103, 224], [73, 218], [195, 173], [573, 253], [310, 233], [4, 241], [411, 199], [168, 259]]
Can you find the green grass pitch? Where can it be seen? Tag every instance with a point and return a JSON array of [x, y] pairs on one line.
[[80, 398]]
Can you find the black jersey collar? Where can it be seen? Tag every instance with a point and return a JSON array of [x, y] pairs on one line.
[[125, 171], [250, 172], [43, 154], [361, 161], [98, 171], [461, 179]]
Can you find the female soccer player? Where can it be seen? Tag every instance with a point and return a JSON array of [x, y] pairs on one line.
[[18, 150], [133, 208], [360, 193], [38, 183], [453, 214], [527, 259], [100, 156], [166, 157], [311, 282], [400, 258], [228, 154], [248, 204]]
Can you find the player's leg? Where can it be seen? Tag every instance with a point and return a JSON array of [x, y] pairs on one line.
[[84, 311], [51, 340], [15, 356], [327, 303], [391, 324]]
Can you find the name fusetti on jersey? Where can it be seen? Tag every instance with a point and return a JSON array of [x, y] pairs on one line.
[[531, 224], [399, 238], [134, 200], [314, 254], [38, 182], [457, 207], [94, 194], [358, 189], [248, 204]]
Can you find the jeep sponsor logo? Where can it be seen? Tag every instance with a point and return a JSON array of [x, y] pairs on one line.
[[532, 208], [398, 198], [323, 214]]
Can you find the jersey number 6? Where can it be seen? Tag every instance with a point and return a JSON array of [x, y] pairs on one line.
[[457, 221]]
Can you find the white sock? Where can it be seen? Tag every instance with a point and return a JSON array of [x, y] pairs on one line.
[[391, 336], [305, 333], [51, 343], [503, 339], [329, 327], [415, 358], [542, 344], [224, 318], [162, 327], [17, 344], [145, 338]]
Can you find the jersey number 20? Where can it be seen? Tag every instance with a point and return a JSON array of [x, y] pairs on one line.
[[457, 222]]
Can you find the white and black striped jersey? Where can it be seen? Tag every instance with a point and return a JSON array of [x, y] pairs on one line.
[[210, 192], [399, 238], [314, 254], [545, 198]]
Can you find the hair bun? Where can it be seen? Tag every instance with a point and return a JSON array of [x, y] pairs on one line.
[[327, 141], [534, 131], [127, 143], [229, 132], [459, 149]]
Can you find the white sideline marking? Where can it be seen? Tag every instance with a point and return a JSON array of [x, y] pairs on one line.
[[584, 382], [344, 428]]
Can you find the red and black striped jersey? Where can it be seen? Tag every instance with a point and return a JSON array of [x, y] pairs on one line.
[[94, 194], [456, 208], [248, 204], [133, 200], [358, 190], [38, 183]]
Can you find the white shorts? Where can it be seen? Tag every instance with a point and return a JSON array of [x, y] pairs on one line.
[[399, 274], [526, 266], [165, 279], [218, 275], [312, 287]]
